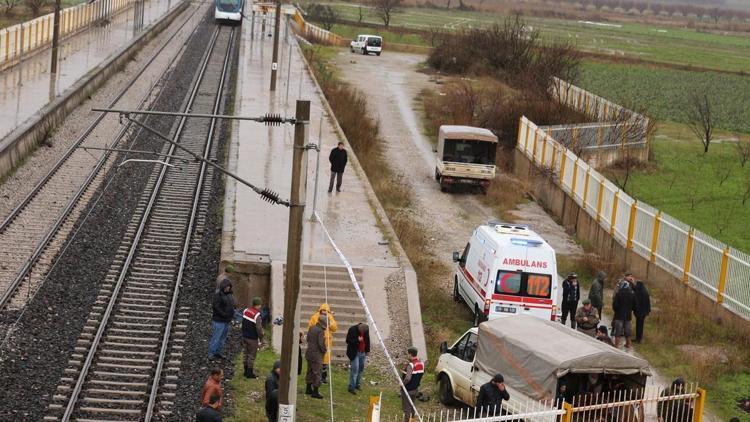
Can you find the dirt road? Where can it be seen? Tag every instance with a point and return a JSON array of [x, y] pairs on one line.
[[392, 85]]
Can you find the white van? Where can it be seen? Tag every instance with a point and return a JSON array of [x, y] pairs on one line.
[[465, 156], [367, 44], [506, 269]]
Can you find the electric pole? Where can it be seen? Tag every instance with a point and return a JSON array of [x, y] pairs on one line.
[[275, 64], [55, 37], [289, 340]]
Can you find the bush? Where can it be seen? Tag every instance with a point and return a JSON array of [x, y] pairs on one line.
[[511, 52]]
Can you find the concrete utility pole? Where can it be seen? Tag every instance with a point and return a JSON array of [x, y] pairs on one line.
[[275, 64], [289, 341], [55, 37]]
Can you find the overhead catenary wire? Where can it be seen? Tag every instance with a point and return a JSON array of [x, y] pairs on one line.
[[370, 318]]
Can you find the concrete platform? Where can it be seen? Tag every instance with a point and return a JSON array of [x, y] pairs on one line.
[[255, 233], [29, 86]]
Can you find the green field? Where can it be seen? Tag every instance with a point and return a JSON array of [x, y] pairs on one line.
[[248, 396], [400, 37], [666, 92], [685, 183], [637, 41]]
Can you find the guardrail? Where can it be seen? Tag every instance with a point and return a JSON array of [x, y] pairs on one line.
[[29, 37], [713, 268]]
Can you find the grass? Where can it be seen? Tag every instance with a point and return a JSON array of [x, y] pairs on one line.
[[687, 184], [248, 395], [350, 32], [679, 46], [666, 92]]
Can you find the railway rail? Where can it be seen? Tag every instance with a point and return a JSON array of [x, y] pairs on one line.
[[31, 234], [126, 360]]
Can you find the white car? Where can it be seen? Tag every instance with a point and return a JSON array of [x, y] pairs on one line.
[[367, 44]]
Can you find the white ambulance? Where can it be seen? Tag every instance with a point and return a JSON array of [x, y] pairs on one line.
[[506, 269]]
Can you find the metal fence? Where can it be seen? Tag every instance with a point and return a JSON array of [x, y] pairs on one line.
[[26, 38], [616, 125], [706, 264], [666, 404]]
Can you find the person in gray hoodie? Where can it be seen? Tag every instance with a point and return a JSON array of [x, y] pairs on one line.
[[596, 292]]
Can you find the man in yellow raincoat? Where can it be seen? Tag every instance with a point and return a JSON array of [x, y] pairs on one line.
[[332, 327]]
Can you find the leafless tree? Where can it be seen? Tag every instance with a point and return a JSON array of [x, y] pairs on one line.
[[323, 14], [743, 150], [385, 9], [715, 14], [723, 173], [36, 6], [361, 14], [9, 5], [701, 118], [656, 8], [448, 6]]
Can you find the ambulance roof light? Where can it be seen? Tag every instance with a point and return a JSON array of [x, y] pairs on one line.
[[525, 242]]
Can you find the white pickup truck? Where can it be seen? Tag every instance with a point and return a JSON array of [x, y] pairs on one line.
[[534, 356], [367, 44]]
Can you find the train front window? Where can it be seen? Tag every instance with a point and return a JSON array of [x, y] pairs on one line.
[[231, 6]]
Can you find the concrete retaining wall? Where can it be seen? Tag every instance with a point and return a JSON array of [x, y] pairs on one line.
[[585, 227], [22, 141]]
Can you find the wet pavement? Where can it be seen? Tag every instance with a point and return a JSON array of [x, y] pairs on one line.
[[29, 86], [264, 158]]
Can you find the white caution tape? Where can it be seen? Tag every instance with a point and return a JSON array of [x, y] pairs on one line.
[[370, 319]]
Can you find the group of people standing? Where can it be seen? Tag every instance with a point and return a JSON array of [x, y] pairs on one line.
[[631, 298]]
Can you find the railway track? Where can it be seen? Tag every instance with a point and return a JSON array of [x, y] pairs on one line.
[[33, 232], [126, 360]]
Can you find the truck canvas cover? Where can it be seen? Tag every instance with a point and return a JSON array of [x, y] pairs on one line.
[[532, 354], [466, 132]]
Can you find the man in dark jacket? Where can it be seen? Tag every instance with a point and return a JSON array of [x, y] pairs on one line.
[[272, 392], [357, 348], [596, 292], [571, 295], [252, 335], [210, 412], [623, 305], [491, 396], [642, 308], [338, 159], [316, 349], [223, 313]]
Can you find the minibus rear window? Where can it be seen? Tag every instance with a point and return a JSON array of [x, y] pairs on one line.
[[519, 283]]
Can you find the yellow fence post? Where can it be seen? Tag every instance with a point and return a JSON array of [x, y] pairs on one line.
[[568, 416], [23, 33], [723, 275], [575, 137], [526, 140], [599, 201], [562, 168], [655, 237], [631, 223], [700, 405], [580, 96], [575, 178], [688, 257], [544, 149], [613, 220], [554, 156], [586, 186], [533, 151]]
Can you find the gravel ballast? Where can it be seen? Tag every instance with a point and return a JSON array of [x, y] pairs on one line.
[[35, 354]]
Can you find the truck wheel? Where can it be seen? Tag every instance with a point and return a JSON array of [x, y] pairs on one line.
[[377, 54], [446, 391], [456, 295], [478, 316]]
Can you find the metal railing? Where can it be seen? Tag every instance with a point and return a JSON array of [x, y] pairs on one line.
[[665, 404], [29, 37], [713, 268]]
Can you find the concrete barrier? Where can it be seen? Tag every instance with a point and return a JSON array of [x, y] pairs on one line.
[[25, 138]]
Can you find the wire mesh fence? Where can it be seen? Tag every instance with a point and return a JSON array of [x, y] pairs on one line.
[[704, 263]]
